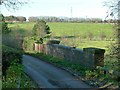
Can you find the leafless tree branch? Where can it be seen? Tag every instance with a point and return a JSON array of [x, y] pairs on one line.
[[112, 8], [13, 4]]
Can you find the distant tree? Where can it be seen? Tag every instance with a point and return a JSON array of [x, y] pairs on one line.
[[33, 19], [96, 20], [41, 29], [10, 18], [14, 18], [20, 18], [65, 19]]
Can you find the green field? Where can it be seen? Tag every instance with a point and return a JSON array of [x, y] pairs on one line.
[[69, 29], [80, 29]]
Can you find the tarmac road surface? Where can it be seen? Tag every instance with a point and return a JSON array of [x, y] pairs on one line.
[[49, 76]]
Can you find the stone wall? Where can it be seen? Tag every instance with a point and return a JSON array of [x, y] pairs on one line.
[[88, 57]]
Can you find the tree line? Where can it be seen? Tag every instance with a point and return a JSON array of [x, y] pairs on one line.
[[57, 19], [74, 20], [14, 18]]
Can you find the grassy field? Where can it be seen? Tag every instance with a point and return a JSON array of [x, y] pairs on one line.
[[70, 29], [80, 29], [22, 25]]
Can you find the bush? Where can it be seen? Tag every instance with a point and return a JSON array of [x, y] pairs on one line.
[[16, 78], [8, 55], [102, 36], [90, 35], [28, 44], [12, 40]]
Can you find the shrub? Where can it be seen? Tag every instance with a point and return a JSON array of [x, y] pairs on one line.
[[8, 55], [90, 35], [102, 36], [12, 40], [28, 44]]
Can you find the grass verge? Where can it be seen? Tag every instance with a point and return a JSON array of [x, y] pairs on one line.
[[16, 78]]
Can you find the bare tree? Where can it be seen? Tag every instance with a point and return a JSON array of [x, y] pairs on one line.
[[114, 11], [113, 8], [13, 4]]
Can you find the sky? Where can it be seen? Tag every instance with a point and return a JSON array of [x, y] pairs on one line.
[[61, 8]]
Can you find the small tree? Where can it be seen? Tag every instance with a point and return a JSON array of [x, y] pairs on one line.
[[41, 29]]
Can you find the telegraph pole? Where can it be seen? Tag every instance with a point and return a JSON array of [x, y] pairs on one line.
[[71, 11]]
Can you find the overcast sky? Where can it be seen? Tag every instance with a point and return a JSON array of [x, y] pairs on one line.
[[80, 8]]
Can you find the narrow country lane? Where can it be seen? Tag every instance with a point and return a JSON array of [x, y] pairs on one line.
[[49, 76]]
